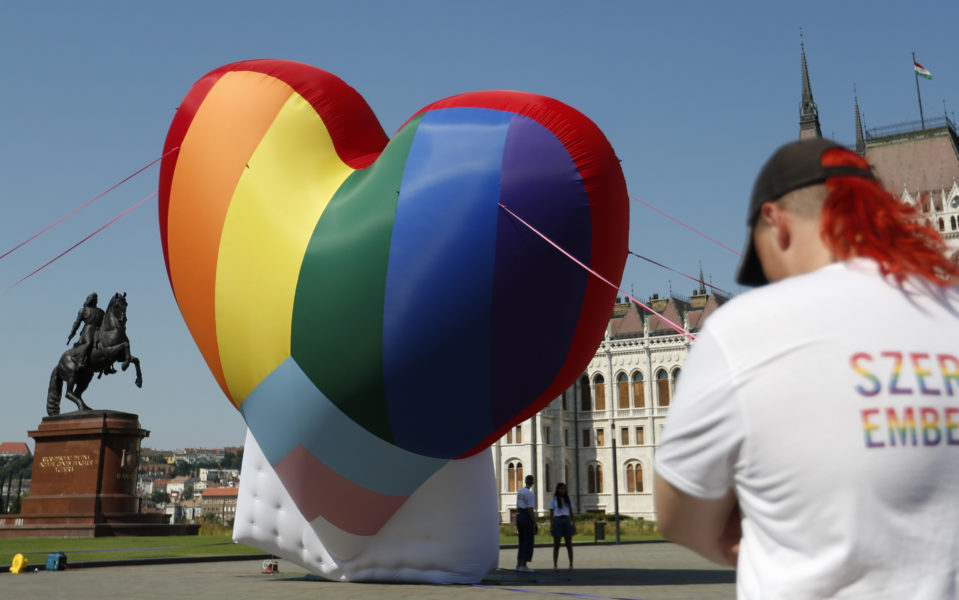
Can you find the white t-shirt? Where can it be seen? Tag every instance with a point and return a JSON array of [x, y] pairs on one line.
[[560, 511], [525, 499], [830, 403]]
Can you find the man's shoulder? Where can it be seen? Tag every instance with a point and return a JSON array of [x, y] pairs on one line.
[[828, 286]]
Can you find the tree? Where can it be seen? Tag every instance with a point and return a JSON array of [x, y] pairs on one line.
[[16, 467], [232, 461], [187, 493], [159, 497], [183, 468]]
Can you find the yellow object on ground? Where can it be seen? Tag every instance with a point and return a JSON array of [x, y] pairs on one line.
[[19, 564]]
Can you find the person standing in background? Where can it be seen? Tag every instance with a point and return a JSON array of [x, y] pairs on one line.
[[525, 525]]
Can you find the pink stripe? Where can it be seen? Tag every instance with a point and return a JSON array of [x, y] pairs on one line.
[[675, 327], [59, 256], [686, 226], [76, 210], [696, 279], [319, 491]]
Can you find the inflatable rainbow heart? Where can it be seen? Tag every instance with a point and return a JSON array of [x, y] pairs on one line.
[[365, 302]]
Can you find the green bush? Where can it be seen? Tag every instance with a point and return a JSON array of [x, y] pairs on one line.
[[585, 526]]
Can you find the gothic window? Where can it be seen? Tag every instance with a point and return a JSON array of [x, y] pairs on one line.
[[942, 224], [624, 436], [622, 390], [514, 476], [546, 435], [600, 437], [676, 373], [634, 476], [662, 387], [599, 391], [509, 436], [594, 478], [952, 220], [585, 438], [640, 436], [584, 393], [548, 479], [519, 434], [639, 395]]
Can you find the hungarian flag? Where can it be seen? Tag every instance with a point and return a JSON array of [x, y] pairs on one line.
[[922, 71]]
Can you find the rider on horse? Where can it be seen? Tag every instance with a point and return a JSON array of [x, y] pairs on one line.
[[91, 316]]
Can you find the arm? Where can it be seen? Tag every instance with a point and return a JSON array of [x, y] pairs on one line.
[[76, 325], [709, 527]]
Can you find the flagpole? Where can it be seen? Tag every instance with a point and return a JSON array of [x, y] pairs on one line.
[[918, 95]]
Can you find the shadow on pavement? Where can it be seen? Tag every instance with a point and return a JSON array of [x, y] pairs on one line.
[[599, 577]]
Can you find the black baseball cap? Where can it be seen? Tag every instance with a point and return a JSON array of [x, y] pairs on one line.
[[793, 166]]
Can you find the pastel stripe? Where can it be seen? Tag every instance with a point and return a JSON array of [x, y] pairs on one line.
[[555, 202], [285, 186], [286, 409], [441, 268], [227, 127], [338, 312], [340, 501]]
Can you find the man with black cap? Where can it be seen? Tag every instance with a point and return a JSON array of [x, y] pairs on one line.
[[814, 440]]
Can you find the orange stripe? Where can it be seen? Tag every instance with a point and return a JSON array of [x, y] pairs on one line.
[[224, 133]]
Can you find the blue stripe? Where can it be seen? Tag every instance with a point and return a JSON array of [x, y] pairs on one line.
[[287, 410], [436, 329]]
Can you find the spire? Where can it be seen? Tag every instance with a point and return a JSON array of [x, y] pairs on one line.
[[860, 139], [808, 112], [702, 284]]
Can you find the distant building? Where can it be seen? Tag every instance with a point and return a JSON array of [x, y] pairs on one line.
[[220, 501], [192, 509], [14, 449], [159, 485], [219, 475], [177, 485]]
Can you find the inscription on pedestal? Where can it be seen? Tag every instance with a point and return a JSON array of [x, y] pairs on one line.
[[66, 463]]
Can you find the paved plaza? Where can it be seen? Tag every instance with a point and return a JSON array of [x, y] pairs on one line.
[[644, 571]]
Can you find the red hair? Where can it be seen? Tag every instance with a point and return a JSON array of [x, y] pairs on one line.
[[860, 218]]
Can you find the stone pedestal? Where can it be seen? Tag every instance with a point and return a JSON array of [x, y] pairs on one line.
[[84, 480]]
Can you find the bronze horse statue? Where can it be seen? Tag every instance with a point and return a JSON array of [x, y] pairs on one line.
[[110, 345]]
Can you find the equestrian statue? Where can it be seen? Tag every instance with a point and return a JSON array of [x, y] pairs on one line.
[[102, 342]]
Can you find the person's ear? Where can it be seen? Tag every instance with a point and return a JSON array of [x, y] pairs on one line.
[[777, 218]]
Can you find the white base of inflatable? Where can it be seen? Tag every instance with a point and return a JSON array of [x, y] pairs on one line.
[[446, 532]]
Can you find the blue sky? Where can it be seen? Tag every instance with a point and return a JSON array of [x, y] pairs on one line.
[[693, 97]]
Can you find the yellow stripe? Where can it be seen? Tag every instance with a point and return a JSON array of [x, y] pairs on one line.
[[289, 181]]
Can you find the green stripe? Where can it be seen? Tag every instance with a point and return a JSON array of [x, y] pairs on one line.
[[338, 311]]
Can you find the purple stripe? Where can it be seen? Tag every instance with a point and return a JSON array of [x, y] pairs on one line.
[[537, 292]]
